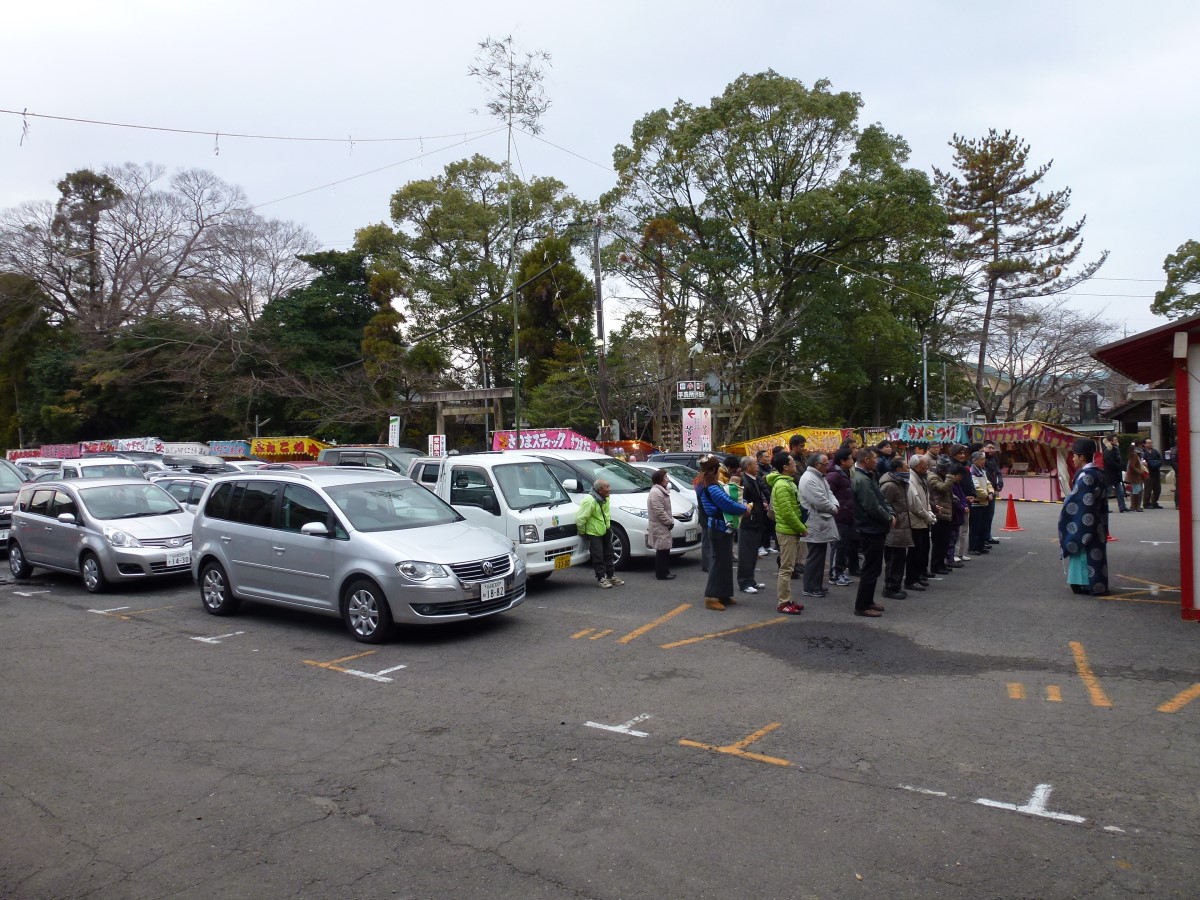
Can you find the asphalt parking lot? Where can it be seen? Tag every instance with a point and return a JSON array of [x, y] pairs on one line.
[[997, 736]]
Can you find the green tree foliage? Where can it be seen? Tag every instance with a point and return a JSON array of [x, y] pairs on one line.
[[1014, 246], [556, 309], [1181, 295], [778, 197]]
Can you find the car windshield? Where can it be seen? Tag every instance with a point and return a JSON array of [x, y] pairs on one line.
[[111, 470], [622, 478], [10, 478], [128, 501], [683, 473], [526, 485], [391, 505]]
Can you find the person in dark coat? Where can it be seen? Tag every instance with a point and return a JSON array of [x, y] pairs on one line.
[[1114, 470], [1153, 460], [845, 554], [715, 502], [873, 519], [751, 530]]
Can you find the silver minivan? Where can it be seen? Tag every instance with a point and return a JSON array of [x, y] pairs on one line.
[[372, 548]]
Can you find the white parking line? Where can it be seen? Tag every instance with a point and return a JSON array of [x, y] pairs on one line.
[[373, 676], [105, 612], [626, 728], [29, 593], [218, 638], [1036, 806]]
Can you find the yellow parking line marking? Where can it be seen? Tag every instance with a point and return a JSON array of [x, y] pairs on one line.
[[738, 747], [600, 634], [1016, 690], [638, 632], [1053, 693], [717, 634], [1099, 698], [333, 663], [1134, 597], [1153, 584], [1180, 700], [580, 634]]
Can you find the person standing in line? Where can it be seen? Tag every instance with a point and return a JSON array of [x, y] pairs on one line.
[[658, 505], [763, 458], [715, 502], [964, 499], [845, 552], [916, 566], [884, 454], [873, 519], [899, 539], [1114, 470], [753, 525], [983, 498], [822, 506], [595, 523], [1136, 475], [789, 528], [991, 468], [698, 485], [1082, 535], [941, 500], [1153, 460]]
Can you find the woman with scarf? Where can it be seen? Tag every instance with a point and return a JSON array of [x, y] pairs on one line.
[[715, 502], [1083, 524], [894, 486]]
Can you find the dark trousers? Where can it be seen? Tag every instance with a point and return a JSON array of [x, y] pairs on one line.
[[720, 570], [1118, 486], [662, 563], [768, 535], [845, 551], [705, 545], [916, 566], [814, 568], [872, 565], [989, 515], [1153, 489], [894, 559], [602, 554], [748, 542], [940, 539], [977, 533]]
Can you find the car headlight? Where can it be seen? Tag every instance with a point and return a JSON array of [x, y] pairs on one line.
[[635, 511], [119, 538], [529, 534], [420, 571]]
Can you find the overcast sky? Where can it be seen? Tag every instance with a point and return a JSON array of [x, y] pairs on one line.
[[1106, 90]]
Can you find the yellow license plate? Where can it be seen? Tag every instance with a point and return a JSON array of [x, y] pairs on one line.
[[562, 562]]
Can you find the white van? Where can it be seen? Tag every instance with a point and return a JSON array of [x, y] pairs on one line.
[[514, 494]]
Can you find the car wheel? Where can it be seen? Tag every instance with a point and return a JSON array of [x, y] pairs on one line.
[[539, 577], [366, 612], [93, 575], [620, 544], [215, 593], [16, 561]]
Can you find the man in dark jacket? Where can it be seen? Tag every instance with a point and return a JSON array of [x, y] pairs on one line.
[[1153, 460], [750, 531], [872, 519], [991, 468], [845, 553], [1114, 470]]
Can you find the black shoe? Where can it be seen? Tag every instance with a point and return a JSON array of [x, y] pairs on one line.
[[894, 595], [877, 607], [942, 571], [915, 586], [993, 541], [666, 577]]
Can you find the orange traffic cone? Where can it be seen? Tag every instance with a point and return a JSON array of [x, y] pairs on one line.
[[1010, 521]]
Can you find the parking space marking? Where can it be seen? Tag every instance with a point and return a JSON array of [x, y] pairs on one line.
[[625, 728], [638, 632], [29, 593], [1016, 690], [1035, 807], [1053, 693], [580, 634], [1090, 681], [333, 666], [116, 611], [600, 634], [716, 634], [105, 612], [738, 747], [218, 638], [1180, 700]]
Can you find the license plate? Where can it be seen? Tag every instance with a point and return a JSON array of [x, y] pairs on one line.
[[3, 536], [563, 561], [179, 559], [693, 534], [491, 590]]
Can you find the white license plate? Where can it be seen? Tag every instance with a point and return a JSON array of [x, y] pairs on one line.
[[3, 536], [693, 534], [179, 559], [491, 590]]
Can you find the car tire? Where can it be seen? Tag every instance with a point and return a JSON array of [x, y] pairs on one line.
[[539, 577], [620, 545], [92, 573], [17, 563], [215, 593], [366, 612]]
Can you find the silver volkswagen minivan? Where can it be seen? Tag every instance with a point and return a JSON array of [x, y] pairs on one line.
[[372, 548]]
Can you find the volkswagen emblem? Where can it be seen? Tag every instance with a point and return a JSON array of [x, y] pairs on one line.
[[487, 567], [174, 542]]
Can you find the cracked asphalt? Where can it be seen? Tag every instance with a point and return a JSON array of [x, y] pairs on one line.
[[825, 755]]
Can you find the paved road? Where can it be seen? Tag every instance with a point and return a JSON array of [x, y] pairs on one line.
[[995, 737]]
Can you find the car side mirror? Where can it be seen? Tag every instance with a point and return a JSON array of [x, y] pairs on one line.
[[571, 485], [67, 518], [317, 529], [490, 504]]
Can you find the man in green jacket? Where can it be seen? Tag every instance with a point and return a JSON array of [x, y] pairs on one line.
[[595, 523], [789, 527]]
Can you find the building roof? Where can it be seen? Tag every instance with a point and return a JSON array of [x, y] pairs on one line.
[[1146, 357]]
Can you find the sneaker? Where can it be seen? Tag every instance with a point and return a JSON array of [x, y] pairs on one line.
[[790, 608], [614, 580], [604, 583], [963, 558], [762, 551], [750, 589], [813, 593], [844, 580], [759, 585]]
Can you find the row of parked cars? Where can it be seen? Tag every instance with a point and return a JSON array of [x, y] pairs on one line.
[[458, 539]]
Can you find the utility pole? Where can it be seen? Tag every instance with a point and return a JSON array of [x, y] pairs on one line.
[[925, 379], [601, 364]]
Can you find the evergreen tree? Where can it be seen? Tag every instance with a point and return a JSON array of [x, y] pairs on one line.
[[1175, 300]]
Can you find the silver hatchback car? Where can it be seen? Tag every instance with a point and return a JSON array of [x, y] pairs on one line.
[[373, 548], [105, 529]]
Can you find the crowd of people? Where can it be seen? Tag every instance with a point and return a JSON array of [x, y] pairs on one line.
[[862, 513]]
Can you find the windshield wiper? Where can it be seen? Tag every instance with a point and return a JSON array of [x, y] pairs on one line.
[[139, 515]]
